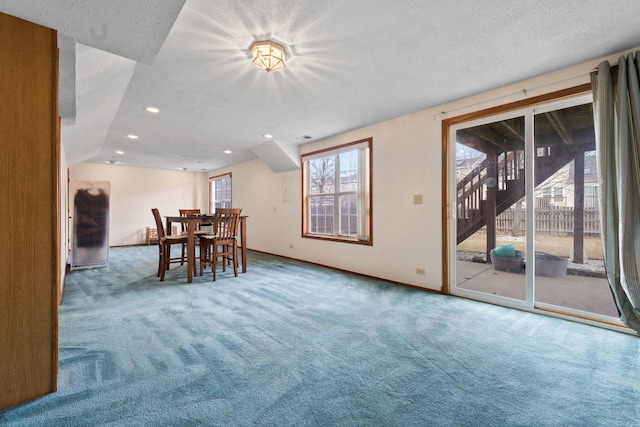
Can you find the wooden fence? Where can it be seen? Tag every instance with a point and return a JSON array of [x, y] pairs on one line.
[[550, 220]]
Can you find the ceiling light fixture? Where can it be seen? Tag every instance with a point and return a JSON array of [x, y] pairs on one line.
[[132, 136], [227, 151], [268, 135], [152, 109], [268, 55], [119, 152]]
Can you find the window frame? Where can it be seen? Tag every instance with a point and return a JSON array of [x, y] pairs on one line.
[[212, 180], [367, 227]]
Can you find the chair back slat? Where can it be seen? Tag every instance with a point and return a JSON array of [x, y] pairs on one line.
[[226, 222], [186, 212], [159, 225]]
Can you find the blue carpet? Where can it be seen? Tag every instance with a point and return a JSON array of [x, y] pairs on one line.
[[292, 344]]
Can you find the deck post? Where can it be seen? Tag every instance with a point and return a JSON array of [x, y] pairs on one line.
[[491, 204], [578, 209]]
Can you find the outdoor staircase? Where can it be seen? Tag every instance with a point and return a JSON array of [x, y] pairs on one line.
[[471, 207]]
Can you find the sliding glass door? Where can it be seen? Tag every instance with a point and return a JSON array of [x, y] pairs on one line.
[[489, 179], [569, 266], [525, 223]]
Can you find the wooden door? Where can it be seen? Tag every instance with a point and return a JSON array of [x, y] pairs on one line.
[[29, 162]]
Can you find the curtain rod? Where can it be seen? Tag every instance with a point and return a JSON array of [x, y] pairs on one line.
[[611, 67], [524, 91]]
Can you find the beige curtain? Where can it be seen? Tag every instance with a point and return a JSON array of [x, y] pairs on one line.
[[616, 102], [363, 194]]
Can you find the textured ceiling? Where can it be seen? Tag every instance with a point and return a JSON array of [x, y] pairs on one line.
[[351, 64], [133, 29]]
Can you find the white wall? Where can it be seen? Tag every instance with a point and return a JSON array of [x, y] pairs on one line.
[[406, 161], [405, 236], [135, 191]]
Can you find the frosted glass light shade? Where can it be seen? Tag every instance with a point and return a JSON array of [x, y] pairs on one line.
[[268, 55]]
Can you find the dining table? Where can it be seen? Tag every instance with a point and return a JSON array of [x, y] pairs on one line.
[[191, 220]]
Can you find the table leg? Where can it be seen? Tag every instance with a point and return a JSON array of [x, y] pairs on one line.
[[191, 249], [243, 242], [166, 233]]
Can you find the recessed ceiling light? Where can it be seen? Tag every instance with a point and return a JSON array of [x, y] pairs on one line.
[[152, 109], [227, 151], [119, 152], [132, 136], [268, 135]]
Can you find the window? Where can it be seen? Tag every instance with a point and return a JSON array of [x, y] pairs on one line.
[[219, 192], [591, 196], [558, 194], [337, 193], [551, 196]]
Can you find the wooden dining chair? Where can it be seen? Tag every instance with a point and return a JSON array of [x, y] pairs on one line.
[[198, 232], [164, 246], [186, 212], [223, 244]]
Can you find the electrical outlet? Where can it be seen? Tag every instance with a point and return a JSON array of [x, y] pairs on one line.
[[420, 271], [417, 199]]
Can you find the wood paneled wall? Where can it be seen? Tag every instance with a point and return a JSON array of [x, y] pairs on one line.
[[29, 150]]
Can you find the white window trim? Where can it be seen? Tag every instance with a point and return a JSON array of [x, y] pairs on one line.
[[364, 192]]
